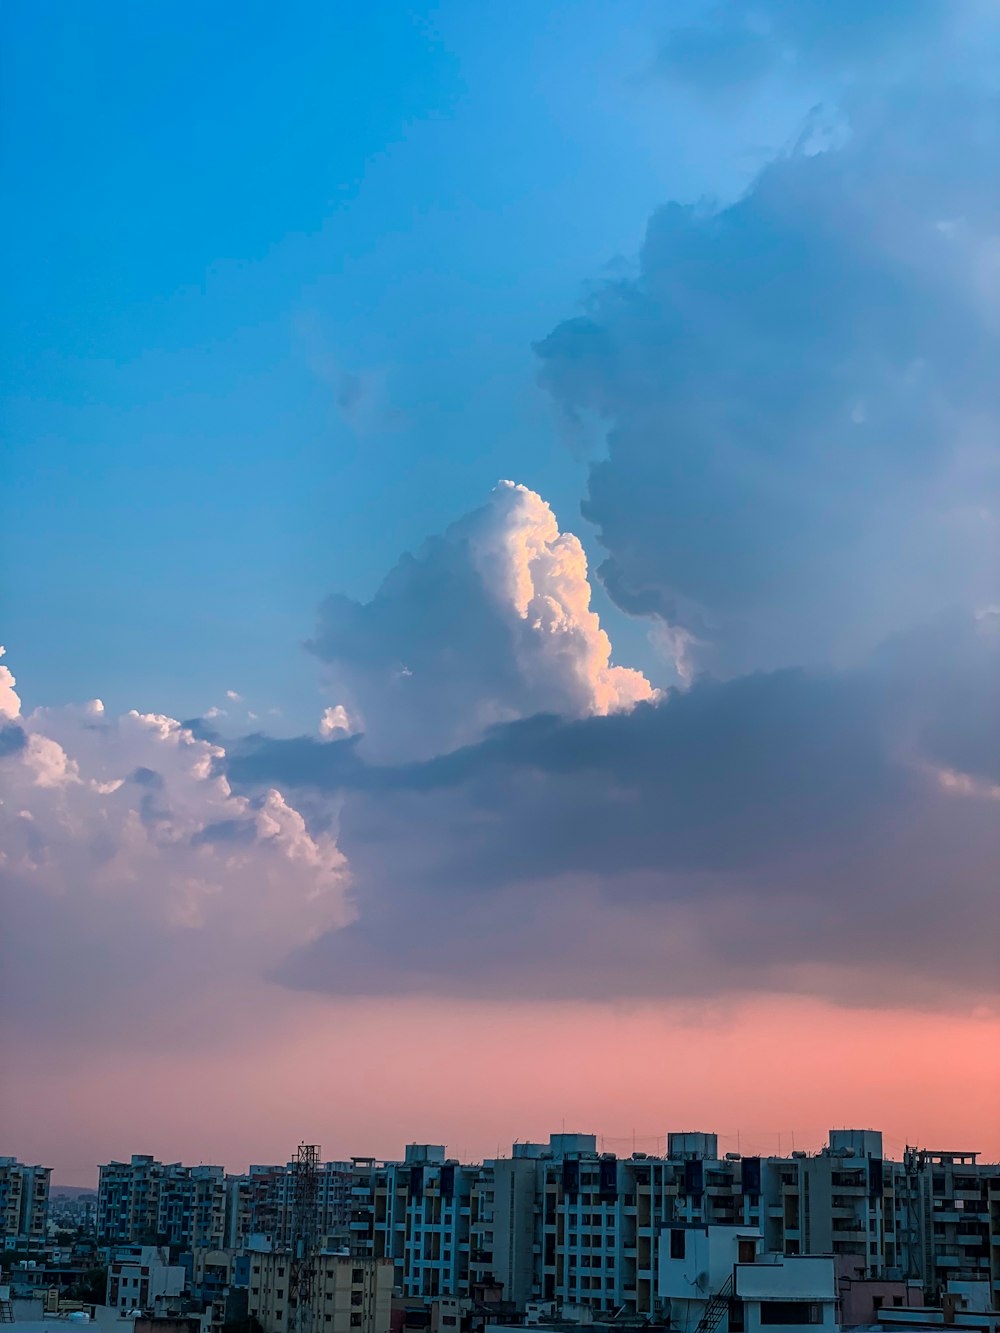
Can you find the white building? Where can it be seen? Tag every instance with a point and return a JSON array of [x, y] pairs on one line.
[[140, 1277], [796, 1292], [719, 1278]]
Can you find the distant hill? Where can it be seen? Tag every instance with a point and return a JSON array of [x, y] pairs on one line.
[[71, 1191]]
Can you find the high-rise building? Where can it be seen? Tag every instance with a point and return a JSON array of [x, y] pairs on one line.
[[24, 1204], [422, 1221], [146, 1202]]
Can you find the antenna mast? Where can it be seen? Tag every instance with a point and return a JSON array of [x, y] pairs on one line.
[[305, 1238]]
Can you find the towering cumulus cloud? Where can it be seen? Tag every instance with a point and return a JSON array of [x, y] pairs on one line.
[[488, 623], [126, 856]]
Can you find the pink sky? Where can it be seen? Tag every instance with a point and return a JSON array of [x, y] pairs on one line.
[[366, 1077]]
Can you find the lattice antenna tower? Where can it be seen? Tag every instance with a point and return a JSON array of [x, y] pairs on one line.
[[305, 1236], [915, 1263]]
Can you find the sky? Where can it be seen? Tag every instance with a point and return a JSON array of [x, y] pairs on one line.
[[500, 575]]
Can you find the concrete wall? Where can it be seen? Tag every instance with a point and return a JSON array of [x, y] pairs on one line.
[[710, 1254], [796, 1278]]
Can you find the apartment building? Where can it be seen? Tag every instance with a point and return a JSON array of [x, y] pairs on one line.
[[948, 1220], [421, 1221], [144, 1201], [24, 1204], [128, 1200], [502, 1204], [597, 1222], [361, 1215], [196, 1207], [349, 1294]]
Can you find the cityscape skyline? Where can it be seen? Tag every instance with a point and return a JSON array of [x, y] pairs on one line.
[[558, 1231]]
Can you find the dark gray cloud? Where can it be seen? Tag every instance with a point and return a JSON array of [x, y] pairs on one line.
[[799, 392], [785, 830]]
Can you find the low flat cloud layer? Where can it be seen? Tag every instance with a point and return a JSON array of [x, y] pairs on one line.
[[828, 833]]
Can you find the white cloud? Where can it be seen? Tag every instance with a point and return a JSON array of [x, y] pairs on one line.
[[123, 840], [335, 723], [488, 623], [10, 704], [531, 568], [236, 698]]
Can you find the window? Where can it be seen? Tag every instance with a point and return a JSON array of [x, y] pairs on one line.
[[747, 1249], [357, 1275], [789, 1312], [677, 1244], [355, 1321], [280, 1295]]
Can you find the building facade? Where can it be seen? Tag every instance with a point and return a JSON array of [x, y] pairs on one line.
[[146, 1202], [349, 1294], [421, 1221], [141, 1277], [24, 1204]]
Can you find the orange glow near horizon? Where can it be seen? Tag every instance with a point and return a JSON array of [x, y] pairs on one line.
[[365, 1077]]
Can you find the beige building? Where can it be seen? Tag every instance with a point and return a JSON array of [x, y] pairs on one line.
[[350, 1295]]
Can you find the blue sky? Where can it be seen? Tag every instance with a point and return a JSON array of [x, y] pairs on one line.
[[227, 218]]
